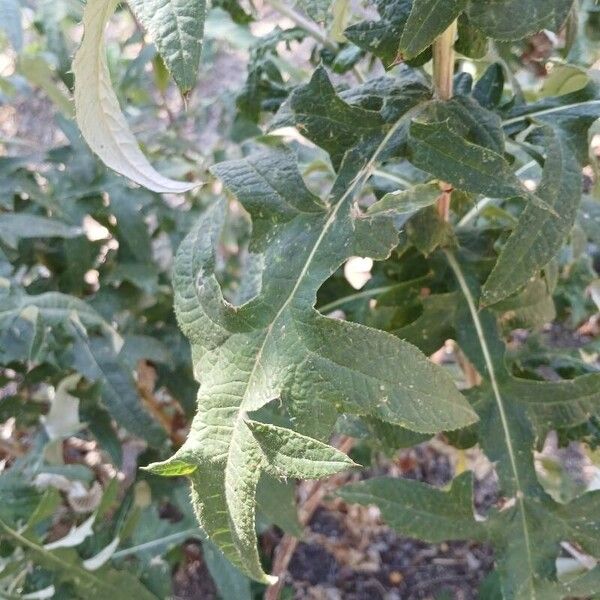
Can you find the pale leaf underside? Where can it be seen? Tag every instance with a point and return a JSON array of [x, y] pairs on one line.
[[99, 116]]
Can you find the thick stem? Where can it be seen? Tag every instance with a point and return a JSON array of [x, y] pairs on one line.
[[443, 74]]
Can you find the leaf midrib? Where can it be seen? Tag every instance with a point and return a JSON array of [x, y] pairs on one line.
[[520, 495], [360, 176]]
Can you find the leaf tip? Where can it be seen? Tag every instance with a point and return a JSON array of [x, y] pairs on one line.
[[170, 468]]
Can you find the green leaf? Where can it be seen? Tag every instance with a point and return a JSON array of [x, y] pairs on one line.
[[462, 143], [571, 115], [324, 118], [382, 37], [177, 27], [229, 581], [558, 404], [291, 454], [97, 359], [427, 20], [496, 18], [277, 345], [420, 510], [539, 234], [19, 499], [407, 201], [18, 226], [276, 500], [471, 41], [67, 566], [526, 535]]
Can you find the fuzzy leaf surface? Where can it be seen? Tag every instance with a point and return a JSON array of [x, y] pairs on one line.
[[277, 345]]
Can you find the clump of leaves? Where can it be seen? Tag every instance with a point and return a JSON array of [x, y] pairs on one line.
[[468, 197]]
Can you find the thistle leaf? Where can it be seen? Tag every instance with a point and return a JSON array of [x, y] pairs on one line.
[[291, 454], [99, 116], [277, 345], [420, 510], [527, 532]]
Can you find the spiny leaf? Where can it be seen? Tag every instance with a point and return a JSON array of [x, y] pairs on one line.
[[427, 20], [539, 234], [177, 27], [277, 346], [527, 535], [100, 119]]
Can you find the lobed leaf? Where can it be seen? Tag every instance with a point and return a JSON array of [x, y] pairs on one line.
[[277, 346]]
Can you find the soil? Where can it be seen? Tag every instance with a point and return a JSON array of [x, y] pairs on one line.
[[348, 553]]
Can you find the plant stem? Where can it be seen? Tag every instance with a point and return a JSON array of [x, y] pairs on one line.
[[443, 74], [301, 21]]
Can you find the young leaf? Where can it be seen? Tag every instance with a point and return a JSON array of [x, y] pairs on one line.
[[407, 201], [277, 346], [539, 234], [100, 119], [427, 20], [177, 27]]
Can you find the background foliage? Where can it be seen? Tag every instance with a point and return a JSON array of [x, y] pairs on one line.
[[97, 378]]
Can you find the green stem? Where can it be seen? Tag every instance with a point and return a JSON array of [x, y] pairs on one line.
[[362, 294], [306, 24], [173, 538]]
